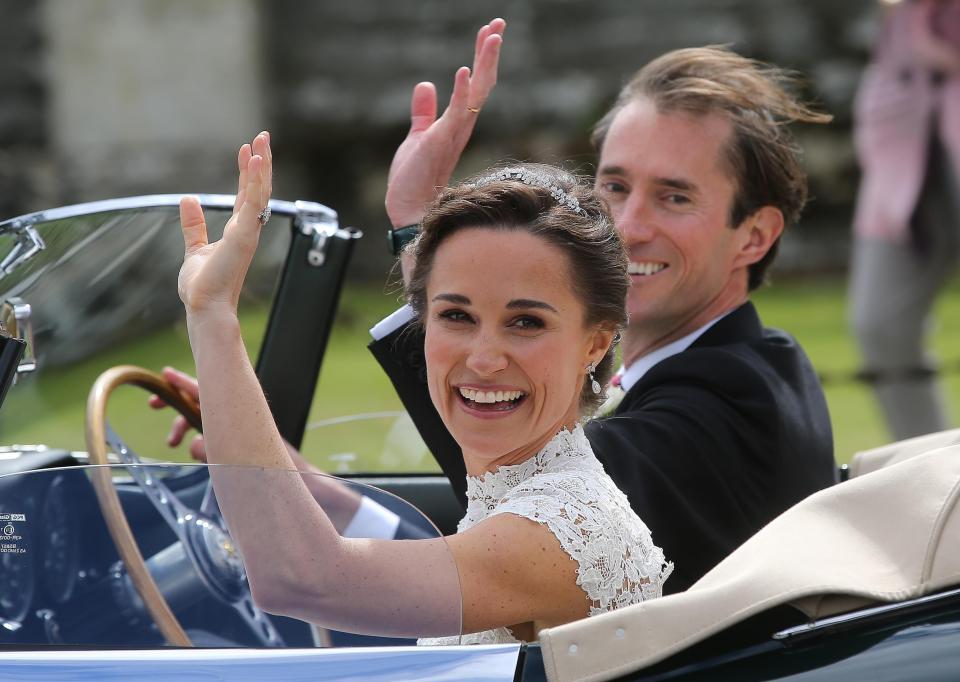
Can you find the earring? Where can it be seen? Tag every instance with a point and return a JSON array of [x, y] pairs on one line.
[[594, 384]]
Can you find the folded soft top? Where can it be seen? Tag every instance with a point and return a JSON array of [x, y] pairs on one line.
[[886, 536]]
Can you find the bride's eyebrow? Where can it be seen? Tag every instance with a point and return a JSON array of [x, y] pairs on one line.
[[530, 303], [459, 299]]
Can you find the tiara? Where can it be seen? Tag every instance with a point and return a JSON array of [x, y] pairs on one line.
[[534, 179]]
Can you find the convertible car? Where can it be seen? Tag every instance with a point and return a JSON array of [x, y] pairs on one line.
[[116, 563]]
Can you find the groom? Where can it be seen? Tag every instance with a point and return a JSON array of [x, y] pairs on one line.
[[723, 424]]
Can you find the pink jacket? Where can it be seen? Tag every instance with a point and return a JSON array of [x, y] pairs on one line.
[[899, 103]]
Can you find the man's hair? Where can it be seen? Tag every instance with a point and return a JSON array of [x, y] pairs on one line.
[[754, 97], [559, 207]]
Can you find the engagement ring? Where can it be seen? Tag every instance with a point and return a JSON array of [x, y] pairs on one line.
[[264, 215]]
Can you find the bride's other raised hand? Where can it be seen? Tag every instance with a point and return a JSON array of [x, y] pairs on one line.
[[427, 157], [212, 274]]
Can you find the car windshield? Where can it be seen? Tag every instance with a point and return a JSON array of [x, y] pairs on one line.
[[71, 575], [97, 284], [103, 292]]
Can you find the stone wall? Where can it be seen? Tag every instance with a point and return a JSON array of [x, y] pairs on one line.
[[25, 167], [150, 96], [111, 97], [341, 75]]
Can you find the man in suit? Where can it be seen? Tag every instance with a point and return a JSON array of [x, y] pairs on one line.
[[723, 424]]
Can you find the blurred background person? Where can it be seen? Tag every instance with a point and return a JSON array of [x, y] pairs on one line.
[[907, 219]]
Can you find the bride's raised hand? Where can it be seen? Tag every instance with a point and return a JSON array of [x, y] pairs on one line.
[[212, 274]]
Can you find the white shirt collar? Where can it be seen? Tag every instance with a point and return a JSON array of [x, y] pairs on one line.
[[629, 376]]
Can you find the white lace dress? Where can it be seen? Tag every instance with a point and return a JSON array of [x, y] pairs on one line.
[[565, 488]]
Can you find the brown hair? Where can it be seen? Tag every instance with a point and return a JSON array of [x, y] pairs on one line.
[[581, 228], [753, 96]]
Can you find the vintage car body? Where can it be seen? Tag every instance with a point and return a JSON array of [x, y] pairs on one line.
[[488, 663], [68, 609]]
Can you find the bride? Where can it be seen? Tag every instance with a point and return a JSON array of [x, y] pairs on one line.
[[519, 284]]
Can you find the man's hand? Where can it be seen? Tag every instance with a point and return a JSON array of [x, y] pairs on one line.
[[338, 501], [180, 426], [431, 150]]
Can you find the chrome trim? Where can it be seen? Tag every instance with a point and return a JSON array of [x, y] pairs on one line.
[[29, 243], [14, 451], [395, 414], [309, 213], [83, 457], [219, 201], [491, 663], [50, 625], [320, 223], [17, 314], [862, 614]]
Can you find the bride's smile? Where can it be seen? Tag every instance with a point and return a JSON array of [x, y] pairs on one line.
[[490, 401]]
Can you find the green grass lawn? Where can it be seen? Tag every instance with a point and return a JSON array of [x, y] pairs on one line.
[[814, 312], [48, 408]]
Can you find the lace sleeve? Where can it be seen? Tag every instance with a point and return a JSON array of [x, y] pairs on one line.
[[617, 562]]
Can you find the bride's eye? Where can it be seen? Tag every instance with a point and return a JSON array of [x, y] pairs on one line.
[[454, 315], [527, 322]]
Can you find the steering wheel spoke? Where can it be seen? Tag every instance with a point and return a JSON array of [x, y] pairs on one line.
[[173, 511], [261, 626], [209, 506]]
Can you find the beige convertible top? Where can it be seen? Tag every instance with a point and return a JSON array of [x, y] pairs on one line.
[[885, 536], [878, 458]]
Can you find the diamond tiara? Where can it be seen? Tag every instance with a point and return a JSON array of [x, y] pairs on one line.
[[534, 179]]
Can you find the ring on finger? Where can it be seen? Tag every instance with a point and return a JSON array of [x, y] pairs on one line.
[[473, 110], [264, 215]]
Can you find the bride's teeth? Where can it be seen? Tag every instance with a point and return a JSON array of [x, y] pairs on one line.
[[489, 396]]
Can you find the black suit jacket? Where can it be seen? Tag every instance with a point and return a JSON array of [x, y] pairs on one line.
[[710, 445]]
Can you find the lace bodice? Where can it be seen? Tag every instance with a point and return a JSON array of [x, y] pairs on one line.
[[565, 488]]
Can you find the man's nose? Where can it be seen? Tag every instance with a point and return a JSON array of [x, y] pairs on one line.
[[486, 356], [634, 221]]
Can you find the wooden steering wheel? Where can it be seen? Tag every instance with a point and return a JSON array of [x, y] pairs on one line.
[[207, 545]]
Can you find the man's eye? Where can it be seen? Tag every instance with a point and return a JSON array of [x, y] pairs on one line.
[[677, 199], [453, 315], [527, 322], [613, 187]]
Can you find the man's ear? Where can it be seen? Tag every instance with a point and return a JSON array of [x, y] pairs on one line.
[[760, 231]]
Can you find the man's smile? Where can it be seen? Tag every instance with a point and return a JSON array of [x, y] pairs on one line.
[[646, 268]]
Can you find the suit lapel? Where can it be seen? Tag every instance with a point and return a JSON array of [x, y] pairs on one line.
[[741, 325]]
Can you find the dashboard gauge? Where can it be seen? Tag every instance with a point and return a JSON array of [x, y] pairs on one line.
[[60, 542], [17, 577]]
